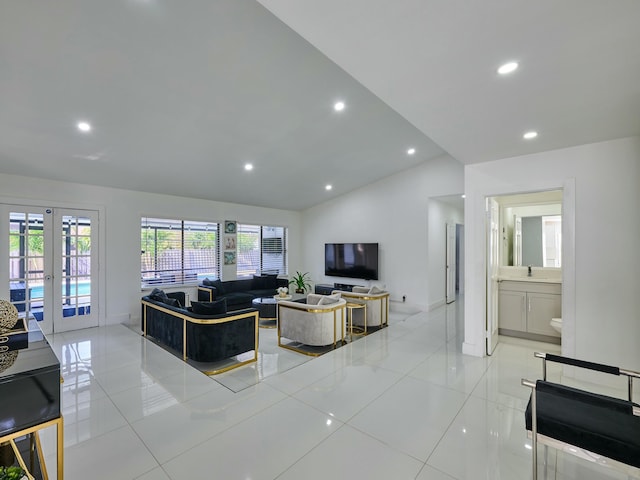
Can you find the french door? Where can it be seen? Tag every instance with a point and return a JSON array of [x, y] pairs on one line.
[[51, 265]]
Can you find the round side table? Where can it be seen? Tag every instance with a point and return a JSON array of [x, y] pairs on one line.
[[266, 307], [351, 306]]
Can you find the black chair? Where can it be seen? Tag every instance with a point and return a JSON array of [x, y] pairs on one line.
[[597, 427]]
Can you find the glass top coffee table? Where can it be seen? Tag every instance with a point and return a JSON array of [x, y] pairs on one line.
[[268, 311]]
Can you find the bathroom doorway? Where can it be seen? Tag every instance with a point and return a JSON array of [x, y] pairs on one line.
[[524, 249]]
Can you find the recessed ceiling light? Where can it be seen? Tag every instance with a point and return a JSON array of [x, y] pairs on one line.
[[328, 187], [248, 167], [463, 196], [84, 126], [338, 106], [508, 68], [530, 135], [411, 151]]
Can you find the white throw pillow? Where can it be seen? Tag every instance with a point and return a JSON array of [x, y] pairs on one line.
[[328, 300], [313, 299], [375, 289]]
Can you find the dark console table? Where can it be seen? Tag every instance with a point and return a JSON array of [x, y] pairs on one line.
[[29, 397], [326, 288]]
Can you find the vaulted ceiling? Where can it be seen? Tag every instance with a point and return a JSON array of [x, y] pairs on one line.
[[181, 95]]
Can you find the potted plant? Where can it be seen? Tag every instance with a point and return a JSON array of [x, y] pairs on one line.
[[301, 281], [12, 473]]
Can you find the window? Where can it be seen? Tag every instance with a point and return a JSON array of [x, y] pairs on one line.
[[178, 251], [261, 249]]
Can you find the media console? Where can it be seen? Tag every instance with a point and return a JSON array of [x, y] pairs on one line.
[[326, 289]]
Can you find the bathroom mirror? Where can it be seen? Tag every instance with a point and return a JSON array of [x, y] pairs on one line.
[[537, 241], [531, 226]]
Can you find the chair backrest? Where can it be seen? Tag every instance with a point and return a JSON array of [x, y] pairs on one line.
[[317, 299]]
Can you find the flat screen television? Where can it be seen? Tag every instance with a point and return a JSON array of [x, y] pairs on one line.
[[353, 260]]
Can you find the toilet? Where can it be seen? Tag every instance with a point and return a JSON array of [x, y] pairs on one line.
[[556, 324]]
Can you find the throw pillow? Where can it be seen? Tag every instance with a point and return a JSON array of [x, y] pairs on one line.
[[376, 289], [208, 283], [259, 283], [174, 302], [209, 308], [271, 281], [158, 295], [328, 300], [218, 286]]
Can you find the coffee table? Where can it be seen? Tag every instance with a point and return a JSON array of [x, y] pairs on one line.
[[266, 306]]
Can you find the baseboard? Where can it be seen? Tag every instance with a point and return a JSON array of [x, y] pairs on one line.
[[403, 307], [437, 304], [120, 318]]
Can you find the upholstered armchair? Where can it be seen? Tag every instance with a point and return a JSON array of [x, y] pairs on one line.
[[376, 301], [319, 322]]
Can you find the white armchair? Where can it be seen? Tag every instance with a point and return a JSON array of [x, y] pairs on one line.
[[376, 300], [317, 323]]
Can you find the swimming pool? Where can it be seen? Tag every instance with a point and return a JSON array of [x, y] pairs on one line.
[[84, 288]]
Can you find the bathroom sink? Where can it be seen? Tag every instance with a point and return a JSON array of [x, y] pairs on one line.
[[530, 279]]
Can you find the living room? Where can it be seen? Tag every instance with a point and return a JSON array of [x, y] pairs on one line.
[[171, 142]]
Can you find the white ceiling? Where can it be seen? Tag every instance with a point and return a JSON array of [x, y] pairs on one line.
[[435, 61], [181, 94]]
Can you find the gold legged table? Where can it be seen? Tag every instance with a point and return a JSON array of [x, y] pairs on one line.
[[351, 306]]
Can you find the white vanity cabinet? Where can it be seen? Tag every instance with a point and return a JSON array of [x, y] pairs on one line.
[[525, 309]]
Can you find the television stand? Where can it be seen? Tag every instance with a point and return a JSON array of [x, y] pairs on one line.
[[326, 289]]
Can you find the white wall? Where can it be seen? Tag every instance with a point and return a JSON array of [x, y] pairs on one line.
[[121, 229], [392, 212], [601, 223], [440, 213]]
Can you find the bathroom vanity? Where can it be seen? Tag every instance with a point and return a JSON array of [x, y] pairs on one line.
[[526, 307]]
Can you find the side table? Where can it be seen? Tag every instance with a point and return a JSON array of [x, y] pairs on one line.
[[266, 307], [351, 306]]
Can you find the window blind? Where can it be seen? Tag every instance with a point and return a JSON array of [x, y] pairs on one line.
[[261, 249], [178, 251]]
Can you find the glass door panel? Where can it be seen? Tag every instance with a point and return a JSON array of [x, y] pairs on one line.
[[29, 268], [77, 265]]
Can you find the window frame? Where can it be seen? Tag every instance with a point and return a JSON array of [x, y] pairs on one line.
[[186, 272], [262, 265]]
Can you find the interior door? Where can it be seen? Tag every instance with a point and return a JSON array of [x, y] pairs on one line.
[[76, 269], [50, 265], [451, 263], [493, 247]]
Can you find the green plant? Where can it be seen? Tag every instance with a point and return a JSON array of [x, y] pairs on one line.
[[301, 281], [11, 473]]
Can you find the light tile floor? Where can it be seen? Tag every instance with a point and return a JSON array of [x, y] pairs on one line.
[[402, 403]]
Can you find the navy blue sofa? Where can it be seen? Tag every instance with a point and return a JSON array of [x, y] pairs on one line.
[[202, 338], [240, 293]]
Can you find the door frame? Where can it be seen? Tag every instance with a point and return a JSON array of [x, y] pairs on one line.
[[31, 203], [451, 264], [475, 339], [492, 256]]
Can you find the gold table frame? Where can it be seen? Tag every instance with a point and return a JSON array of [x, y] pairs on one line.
[[35, 447]]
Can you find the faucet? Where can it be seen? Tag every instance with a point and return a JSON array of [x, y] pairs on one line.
[[529, 271]]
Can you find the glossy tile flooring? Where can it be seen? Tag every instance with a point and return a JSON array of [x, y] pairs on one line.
[[402, 403]]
